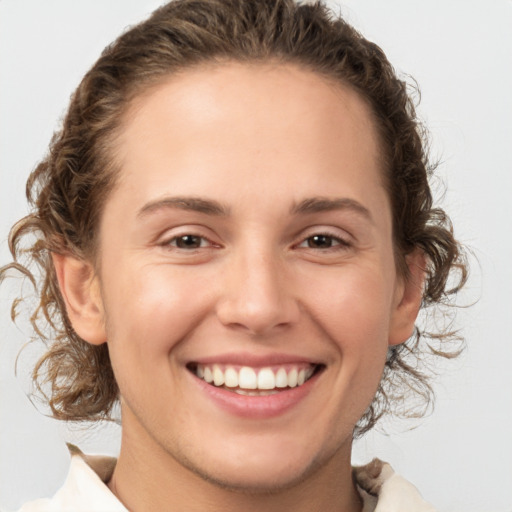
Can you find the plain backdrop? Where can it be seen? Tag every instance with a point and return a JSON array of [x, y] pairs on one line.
[[460, 52]]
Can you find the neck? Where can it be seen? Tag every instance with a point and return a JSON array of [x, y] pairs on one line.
[[147, 477]]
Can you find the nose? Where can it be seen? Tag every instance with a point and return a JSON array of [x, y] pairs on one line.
[[257, 294]]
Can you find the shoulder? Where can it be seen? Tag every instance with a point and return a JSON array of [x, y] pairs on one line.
[[85, 488], [383, 490]]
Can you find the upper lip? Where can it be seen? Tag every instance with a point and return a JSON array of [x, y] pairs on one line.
[[254, 360]]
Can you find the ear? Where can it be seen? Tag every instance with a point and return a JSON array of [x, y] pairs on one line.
[[79, 287], [408, 297]]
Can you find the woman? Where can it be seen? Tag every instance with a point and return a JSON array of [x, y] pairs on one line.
[[236, 234]]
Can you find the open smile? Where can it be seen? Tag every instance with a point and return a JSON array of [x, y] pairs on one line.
[[256, 391], [246, 380]]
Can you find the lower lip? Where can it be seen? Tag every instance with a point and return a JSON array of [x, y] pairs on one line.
[[257, 407]]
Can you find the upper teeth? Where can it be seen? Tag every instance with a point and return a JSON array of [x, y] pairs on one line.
[[246, 377]]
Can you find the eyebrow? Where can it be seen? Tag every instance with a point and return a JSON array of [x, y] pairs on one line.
[[196, 204], [324, 204], [212, 207]]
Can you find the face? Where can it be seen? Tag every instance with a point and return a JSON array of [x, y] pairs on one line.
[[248, 286]]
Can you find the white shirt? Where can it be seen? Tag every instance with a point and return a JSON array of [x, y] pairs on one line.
[[85, 489]]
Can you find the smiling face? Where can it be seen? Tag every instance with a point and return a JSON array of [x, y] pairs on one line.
[[248, 284]]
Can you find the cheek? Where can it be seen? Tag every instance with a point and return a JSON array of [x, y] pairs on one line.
[[353, 306], [353, 309], [149, 310]]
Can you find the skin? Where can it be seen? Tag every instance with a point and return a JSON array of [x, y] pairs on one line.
[[259, 140]]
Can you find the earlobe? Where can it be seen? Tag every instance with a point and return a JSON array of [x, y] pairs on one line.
[[409, 297], [79, 287]]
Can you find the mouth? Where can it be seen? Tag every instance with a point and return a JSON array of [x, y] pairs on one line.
[[255, 381]]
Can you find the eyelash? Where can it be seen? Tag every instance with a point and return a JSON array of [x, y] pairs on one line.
[[173, 242], [336, 243]]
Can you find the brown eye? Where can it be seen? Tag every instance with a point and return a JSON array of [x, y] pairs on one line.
[[321, 242], [188, 242], [324, 242]]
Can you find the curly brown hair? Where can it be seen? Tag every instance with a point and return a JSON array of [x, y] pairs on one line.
[[68, 189]]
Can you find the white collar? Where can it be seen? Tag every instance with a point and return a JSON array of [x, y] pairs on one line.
[[382, 490], [85, 489]]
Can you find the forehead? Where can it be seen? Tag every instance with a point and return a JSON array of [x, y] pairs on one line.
[[275, 122]]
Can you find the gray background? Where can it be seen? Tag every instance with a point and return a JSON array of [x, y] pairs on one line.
[[460, 52]]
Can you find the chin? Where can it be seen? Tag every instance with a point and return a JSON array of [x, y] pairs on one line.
[[254, 483], [262, 476]]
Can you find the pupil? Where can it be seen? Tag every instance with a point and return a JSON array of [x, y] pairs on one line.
[[188, 242], [322, 241]]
